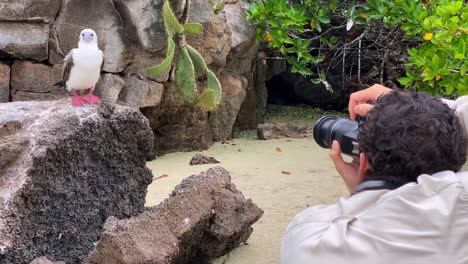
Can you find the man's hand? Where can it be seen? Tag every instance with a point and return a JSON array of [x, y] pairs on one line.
[[358, 101], [349, 171]]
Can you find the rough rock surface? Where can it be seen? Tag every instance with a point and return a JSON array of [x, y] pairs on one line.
[[223, 118], [256, 97], [177, 125], [18, 44], [64, 171], [280, 130], [35, 81], [109, 86], [200, 159], [141, 93], [205, 217], [4, 83], [215, 42], [29, 10], [44, 260], [143, 24]]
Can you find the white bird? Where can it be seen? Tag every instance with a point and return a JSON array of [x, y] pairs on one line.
[[82, 68]]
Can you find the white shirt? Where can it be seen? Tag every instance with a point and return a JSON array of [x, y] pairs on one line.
[[418, 223]]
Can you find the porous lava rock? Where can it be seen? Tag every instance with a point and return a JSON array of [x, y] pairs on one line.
[[63, 171], [204, 218]]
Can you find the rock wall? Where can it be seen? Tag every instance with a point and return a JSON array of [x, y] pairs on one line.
[[36, 35], [63, 171]]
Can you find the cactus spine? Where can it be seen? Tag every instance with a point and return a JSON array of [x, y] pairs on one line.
[[189, 63]]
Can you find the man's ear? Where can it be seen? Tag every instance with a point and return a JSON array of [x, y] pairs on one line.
[[363, 166]]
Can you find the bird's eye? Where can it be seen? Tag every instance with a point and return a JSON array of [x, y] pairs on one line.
[[82, 34], [92, 35]]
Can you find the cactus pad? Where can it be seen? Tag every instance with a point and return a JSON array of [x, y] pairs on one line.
[[185, 76], [158, 70], [206, 100], [198, 61], [193, 28], [171, 23], [213, 84]]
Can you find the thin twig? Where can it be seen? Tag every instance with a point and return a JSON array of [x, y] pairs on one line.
[[359, 63], [382, 65], [343, 70]]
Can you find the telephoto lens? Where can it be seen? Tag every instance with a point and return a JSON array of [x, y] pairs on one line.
[[345, 131]]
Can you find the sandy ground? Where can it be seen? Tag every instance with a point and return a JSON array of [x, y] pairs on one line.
[[256, 168]]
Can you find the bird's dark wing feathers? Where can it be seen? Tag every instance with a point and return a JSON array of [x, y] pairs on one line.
[[102, 64], [67, 66]]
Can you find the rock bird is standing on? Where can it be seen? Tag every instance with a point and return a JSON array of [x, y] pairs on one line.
[[82, 68]]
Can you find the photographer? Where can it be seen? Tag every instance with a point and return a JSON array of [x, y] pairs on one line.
[[408, 204]]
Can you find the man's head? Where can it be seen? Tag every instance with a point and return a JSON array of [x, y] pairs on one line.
[[408, 134]]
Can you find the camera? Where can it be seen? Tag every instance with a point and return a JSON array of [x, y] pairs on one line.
[[345, 131]]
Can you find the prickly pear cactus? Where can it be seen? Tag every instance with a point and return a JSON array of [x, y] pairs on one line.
[[185, 76], [189, 64]]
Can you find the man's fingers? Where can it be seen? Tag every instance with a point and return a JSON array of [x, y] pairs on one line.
[[364, 96], [363, 109], [353, 102], [335, 155]]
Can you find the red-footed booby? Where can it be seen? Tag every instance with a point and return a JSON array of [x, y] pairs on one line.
[[82, 68]]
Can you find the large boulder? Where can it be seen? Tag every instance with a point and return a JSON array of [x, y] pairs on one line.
[[140, 92], [109, 87], [15, 43], [35, 81], [215, 42], [223, 118], [29, 10], [144, 24], [253, 109], [204, 218], [64, 171]]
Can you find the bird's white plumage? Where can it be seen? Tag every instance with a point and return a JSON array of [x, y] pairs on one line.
[[86, 64]]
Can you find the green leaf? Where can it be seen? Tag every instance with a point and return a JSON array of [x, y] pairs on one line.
[[193, 28], [324, 20], [316, 81], [171, 23], [159, 70], [464, 69], [459, 56], [435, 60], [199, 63], [462, 47], [185, 76], [213, 84], [405, 81]]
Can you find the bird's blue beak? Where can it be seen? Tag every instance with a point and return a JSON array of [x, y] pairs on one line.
[[88, 36]]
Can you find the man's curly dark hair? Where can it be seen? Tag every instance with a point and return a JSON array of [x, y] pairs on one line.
[[408, 134]]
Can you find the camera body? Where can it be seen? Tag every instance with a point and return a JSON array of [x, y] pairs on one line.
[[345, 131]]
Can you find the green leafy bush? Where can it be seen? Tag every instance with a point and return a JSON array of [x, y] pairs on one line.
[[298, 29], [439, 64]]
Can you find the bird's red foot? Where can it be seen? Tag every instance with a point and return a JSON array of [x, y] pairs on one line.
[[91, 98], [77, 100]]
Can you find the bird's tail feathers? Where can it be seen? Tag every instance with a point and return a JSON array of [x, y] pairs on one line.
[[60, 83]]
